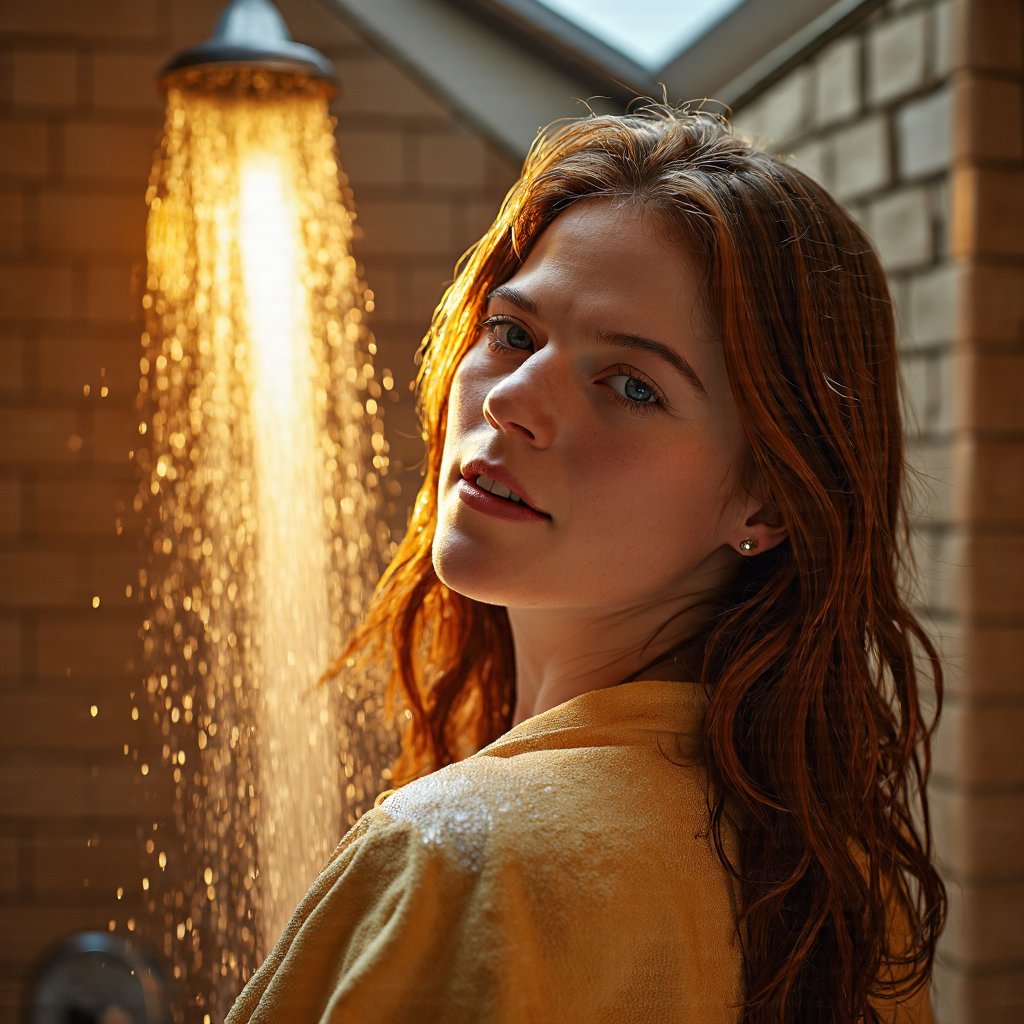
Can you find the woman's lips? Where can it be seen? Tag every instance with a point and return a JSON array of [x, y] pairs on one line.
[[499, 474], [501, 508]]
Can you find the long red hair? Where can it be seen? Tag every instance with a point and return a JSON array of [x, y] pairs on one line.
[[815, 735]]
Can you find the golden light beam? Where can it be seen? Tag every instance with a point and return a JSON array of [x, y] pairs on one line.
[[262, 459]]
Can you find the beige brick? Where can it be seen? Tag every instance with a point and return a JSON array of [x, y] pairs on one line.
[[989, 659], [38, 435], [100, 864], [12, 364], [990, 34], [115, 433], [38, 787], [987, 119], [372, 158], [99, 360], [450, 160], [934, 297], [988, 212], [25, 148], [12, 222], [109, 152], [126, 81], [984, 929], [471, 220], [10, 869], [942, 38], [897, 57], [429, 283], [12, 994], [81, 222], [924, 135], [189, 22], [917, 375], [56, 717], [5, 78], [993, 305], [814, 158], [502, 172], [375, 87], [980, 745], [32, 291], [988, 997], [396, 344], [993, 383], [980, 837], [900, 224], [862, 158], [946, 387], [747, 120], [11, 491], [93, 643], [783, 112], [402, 431], [39, 578], [389, 296], [938, 189], [837, 82], [113, 293], [992, 582], [45, 78], [82, 509], [32, 929], [994, 475], [99, 19], [11, 666], [406, 227], [939, 561], [931, 481], [114, 565]]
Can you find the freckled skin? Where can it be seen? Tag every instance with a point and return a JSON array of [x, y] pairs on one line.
[[646, 516]]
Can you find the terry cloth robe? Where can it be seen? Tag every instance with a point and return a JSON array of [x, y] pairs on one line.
[[561, 875]]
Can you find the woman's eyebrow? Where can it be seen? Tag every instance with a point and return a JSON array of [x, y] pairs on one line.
[[512, 294], [620, 339], [658, 348]]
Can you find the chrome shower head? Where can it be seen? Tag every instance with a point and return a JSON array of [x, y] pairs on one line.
[[251, 34]]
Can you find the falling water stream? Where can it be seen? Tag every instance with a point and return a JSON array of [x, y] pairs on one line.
[[263, 464]]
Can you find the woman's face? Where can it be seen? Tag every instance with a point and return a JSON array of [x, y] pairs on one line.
[[632, 454]]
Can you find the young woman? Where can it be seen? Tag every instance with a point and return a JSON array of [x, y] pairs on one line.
[[664, 754]]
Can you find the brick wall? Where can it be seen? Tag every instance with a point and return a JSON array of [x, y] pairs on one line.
[[912, 116], [79, 118]]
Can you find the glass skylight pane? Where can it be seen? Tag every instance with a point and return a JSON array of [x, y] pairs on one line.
[[649, 32]]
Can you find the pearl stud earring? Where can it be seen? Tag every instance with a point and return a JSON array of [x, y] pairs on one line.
[[748, 544]]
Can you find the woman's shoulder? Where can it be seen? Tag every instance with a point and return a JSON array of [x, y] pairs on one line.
[[623, 813]]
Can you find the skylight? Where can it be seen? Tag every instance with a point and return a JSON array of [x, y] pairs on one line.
[[649, 32]]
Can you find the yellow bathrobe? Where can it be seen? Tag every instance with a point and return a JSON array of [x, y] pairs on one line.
[[561, 875]]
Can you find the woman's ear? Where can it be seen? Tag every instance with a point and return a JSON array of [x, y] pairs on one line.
[[762, 531]]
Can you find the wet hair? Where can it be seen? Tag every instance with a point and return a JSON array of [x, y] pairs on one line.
[[816, 739]]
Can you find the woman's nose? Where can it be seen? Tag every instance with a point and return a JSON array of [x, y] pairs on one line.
[[523, 402]]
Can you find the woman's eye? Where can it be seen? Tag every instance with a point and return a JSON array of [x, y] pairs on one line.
[[635, 389], [508, 333]]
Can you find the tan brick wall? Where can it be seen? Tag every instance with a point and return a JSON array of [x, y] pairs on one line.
[[913, 118], [79, 117]]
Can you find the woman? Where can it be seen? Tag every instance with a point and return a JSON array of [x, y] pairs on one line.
[[651, 581]]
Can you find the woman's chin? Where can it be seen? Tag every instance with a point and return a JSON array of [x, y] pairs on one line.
[[470, 578]]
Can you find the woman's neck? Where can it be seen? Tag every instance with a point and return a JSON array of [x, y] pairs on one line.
[[555, 666]]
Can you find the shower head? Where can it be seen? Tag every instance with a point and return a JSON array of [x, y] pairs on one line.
[[251, 34]]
